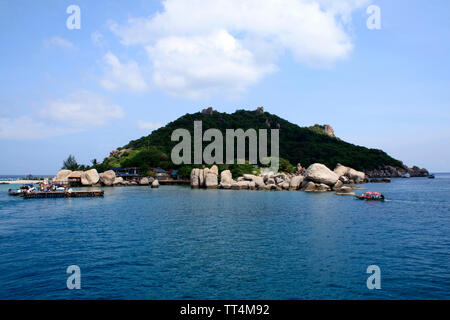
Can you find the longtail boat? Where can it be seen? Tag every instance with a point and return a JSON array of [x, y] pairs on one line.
[[375, 196]]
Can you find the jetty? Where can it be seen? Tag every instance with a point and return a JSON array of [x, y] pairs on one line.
[[174, 182], [62, 194]]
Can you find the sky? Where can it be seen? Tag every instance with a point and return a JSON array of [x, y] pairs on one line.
[[133, 66]]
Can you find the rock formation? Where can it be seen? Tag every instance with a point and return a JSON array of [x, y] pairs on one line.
[[155, 183], [90, 177], [260, 110], [108, 178], [209, 111], [205, 178], [62, 176], [319, 173], [396, 172], [350, 174]]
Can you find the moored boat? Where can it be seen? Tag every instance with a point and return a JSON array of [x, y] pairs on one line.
[[26, 188], [431, 176], [375, 196]]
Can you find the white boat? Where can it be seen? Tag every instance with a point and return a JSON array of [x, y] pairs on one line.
[[26, 188]]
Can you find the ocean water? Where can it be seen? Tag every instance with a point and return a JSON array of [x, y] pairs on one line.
[[178, 243]]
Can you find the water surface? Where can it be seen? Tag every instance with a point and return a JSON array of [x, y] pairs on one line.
[[178, 243]]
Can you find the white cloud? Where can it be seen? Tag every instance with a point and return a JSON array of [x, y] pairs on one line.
[[197, 66], [204, 37], [97, 38], [26, 128], [148, 126], [59, 42], [122, 77], [82, 109], [79, 111]]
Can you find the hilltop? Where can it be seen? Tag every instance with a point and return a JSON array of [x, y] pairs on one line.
[[305, 145]]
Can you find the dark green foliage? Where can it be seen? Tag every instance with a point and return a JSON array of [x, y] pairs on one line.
[[297, 144]]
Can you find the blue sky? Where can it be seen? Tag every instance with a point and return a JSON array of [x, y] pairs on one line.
[[136, 65]]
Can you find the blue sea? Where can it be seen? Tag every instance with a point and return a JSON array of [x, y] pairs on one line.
[[178, 243]]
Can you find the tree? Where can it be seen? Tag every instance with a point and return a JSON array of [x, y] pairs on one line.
[[71, 163]]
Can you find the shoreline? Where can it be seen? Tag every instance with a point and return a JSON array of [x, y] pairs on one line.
[[22, 181]]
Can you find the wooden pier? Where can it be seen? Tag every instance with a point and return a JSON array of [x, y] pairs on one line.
[[61, 194], [174, 182]]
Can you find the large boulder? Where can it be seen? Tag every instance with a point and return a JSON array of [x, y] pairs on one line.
[[240, 185], [201, 178], [90, 177], [309, 187], [144, 181], [345, 191], [259, 182], [118, 181], [155, 184], [214, 170], [350, 173], [249, 177], [319, 173], [357, 176], [338, 185], [195, 178], [62, 176], [226, 177], [285, 185], [322, 188], [107, 178], [211, 180], [341, 170], [225, 185], [295, 182]]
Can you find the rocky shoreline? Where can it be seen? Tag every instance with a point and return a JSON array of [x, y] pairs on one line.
[[396, 172], [316, 178], [108, 179]]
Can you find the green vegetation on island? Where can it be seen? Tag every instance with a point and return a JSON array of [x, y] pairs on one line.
[[305, 145]]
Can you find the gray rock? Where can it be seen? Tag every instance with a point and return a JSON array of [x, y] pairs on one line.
[[90, 177], [225, 185], [309, 187], [345, 191], [338, 185], [249, 177], [319, 173], [226, 177], [322, 188], [155, 184], [211, 180], [285, 185], [259, 181], [107, 178], [295, 182], [62, 176], [117, 181]]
